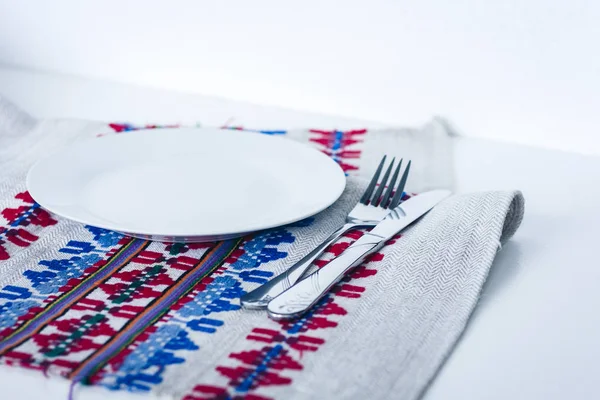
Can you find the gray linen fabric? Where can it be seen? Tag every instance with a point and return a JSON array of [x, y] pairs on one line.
[[394, 333]]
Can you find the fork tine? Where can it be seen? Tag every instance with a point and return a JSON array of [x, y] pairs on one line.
[[390, 189], [377, 195], [398, 195], [367, 194]]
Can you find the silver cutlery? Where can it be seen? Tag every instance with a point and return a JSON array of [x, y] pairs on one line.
[[304, 294], [368, 212]]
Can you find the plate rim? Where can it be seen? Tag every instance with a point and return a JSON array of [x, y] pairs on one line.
[[179, 235]]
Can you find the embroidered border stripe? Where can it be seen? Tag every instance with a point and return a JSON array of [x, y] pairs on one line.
[[33, 326], [211, 260]]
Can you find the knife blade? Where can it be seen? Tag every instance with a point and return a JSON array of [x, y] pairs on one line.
[[301, 297]]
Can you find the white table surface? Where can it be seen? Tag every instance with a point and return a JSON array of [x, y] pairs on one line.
[[536, 331]]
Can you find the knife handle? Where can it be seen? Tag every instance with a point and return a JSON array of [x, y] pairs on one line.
[[262, 295], [306, 293]]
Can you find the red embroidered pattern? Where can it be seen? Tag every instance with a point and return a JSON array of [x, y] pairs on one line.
[[338, 145], [279, 348], [23, 225]]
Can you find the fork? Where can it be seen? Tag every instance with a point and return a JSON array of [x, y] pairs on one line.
[[368, 212]]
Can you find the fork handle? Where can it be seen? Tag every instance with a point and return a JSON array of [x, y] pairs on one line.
[[260, 297], [306, 293]]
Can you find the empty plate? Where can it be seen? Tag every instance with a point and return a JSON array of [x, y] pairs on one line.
[[190, 185]]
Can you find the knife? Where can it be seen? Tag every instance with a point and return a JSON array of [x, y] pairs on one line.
[[301, 297]]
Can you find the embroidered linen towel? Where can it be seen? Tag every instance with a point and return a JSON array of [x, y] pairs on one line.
[[124, 314]]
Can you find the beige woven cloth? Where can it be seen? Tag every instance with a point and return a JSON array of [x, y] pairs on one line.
[[390, 326]]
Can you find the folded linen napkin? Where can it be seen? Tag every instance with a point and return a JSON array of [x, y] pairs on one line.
[[126, 314]]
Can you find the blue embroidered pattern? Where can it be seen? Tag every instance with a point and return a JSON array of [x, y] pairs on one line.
[[16, 301], [266, 132], [145, 365], [154, 352], [59, 272], [105, 237], [215, 298], [11, 311]]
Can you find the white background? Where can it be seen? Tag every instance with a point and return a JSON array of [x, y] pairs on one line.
[[523, 71], [526, 71]]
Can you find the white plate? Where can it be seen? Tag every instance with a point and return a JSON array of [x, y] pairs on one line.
[[188, 184]]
